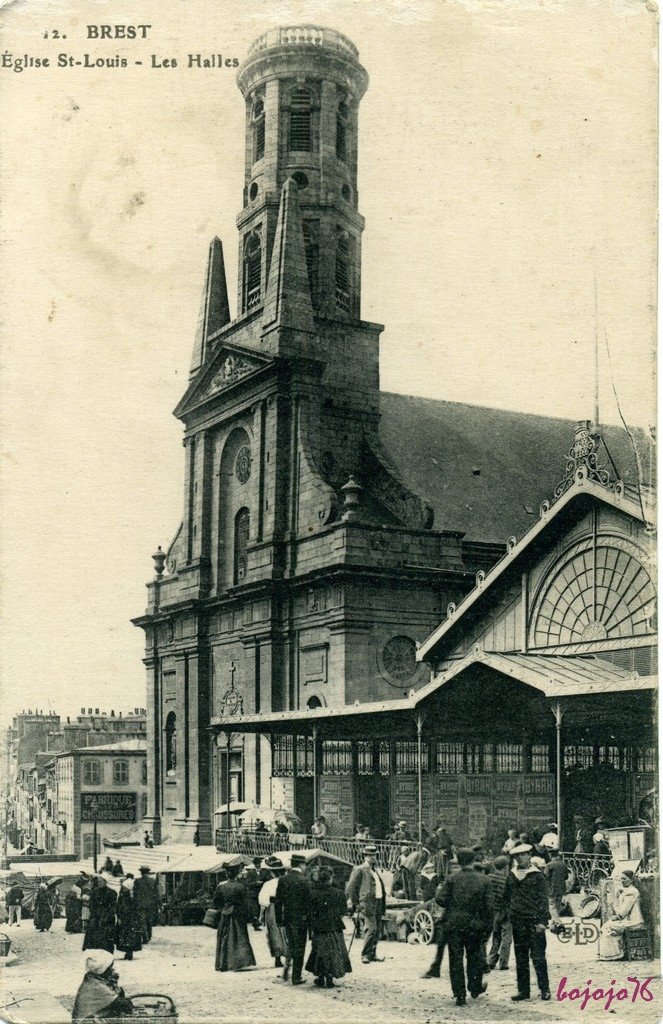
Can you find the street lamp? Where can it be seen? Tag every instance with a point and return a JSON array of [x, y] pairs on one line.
[[232, 704]]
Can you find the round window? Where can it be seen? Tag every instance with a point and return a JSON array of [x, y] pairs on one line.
[[300, 180], [398, 659], [243, 464]]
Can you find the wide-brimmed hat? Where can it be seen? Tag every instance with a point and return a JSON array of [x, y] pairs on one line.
[[273, 863], [522, 848], [296, 859], [145, 870]]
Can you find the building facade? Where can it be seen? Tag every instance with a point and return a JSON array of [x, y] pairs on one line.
[[104, 786], [327, 525]]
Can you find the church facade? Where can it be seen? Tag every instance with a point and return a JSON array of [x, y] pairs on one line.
[[327, 525]]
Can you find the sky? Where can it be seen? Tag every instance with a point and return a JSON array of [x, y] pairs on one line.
[[507, 176]]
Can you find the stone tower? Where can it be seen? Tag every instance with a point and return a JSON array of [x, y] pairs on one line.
[[304, 570]]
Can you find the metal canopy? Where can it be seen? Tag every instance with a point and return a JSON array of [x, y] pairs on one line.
[[555, 677]]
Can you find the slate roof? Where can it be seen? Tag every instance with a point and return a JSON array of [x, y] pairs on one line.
[[480, 468]]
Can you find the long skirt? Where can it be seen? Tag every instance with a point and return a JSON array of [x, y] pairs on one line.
[[611, 941], [73, 912], [328, 957], [43, 916], [276, 937], [128, 936], [100, 934], [233, 948]]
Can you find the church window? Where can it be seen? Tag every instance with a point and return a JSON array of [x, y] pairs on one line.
[[342, 131], [343, 270], [312, 253], [300, 121], [252, 270], [313, 702], [171, 743], [253, 191], [241, 544], [258, 119]]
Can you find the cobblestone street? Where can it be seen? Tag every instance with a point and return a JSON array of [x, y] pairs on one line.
[[180, 963]]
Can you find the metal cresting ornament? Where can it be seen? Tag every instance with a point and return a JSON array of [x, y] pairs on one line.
[[582, 460]]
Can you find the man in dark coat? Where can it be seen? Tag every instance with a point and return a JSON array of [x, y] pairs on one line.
[[291, 906], [366, 893], [146, 897], [15, 899], [526, 900], [468, 921]]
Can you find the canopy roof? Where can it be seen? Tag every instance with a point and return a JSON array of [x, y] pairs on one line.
[[554, 676], [170, 858]]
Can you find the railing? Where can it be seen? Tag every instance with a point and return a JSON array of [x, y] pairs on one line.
[[303, 35], [588, 868], [261, 844]]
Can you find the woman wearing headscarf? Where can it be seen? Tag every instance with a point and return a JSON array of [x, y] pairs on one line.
[[129, 929], [73, 907], [100, 931], [626, 914], [328, 958], [99, 996], [233, 948], [43, 913], [276, 936]]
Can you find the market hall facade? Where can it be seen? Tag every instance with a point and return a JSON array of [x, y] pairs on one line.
[[327, 525]]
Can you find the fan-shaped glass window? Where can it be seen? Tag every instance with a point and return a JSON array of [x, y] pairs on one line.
[[300, 121], [171, 743], [595, 593]]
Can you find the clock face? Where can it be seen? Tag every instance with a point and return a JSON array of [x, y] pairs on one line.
[[243, 464], [398, 661]]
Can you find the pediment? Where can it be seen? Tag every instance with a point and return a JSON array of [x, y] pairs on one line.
[[229, 366]]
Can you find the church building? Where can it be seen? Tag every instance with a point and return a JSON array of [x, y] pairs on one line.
[[327, 526]]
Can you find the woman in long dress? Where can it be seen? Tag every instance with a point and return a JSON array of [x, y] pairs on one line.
[[129, 930], [328, 958], [276, 936], [73, 906], [626, 914], [100, 931], [43, 914], [233, 948]]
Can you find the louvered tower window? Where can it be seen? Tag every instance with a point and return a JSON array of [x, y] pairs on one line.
[[241, 544], [258, 119], [300, 121], [342, 131], [252, 270], [343, 270], [311, 250]]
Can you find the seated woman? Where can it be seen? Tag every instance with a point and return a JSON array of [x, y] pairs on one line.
[[627, 914], [99, 995]]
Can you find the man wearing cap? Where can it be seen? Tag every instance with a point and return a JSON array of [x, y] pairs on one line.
[[291, 907], [468, 921], [146, 898], [366, 893], [99, 994], [526, 900]]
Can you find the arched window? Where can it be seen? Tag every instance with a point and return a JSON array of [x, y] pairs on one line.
[[252, 270], [171, 743], [312, 256], [313, 702], [343, 269], [342, 131], [258, 123], [241, 543], [300, 121]]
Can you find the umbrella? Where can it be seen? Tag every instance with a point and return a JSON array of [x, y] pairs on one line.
[[271, 815], [234, 807]]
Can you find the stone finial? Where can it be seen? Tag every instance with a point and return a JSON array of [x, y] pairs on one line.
[[159, 558], [351, 491]]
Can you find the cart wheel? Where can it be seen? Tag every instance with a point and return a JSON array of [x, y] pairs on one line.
[[423, 927]]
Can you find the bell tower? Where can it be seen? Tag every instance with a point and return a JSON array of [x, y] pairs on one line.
[[302, 87]]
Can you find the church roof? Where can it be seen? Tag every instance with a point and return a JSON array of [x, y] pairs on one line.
[[486, 471]]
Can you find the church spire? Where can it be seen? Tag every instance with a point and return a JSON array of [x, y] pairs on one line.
[[288, 297], [214, 308]]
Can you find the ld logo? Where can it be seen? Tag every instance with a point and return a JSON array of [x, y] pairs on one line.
[[581, 933]]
